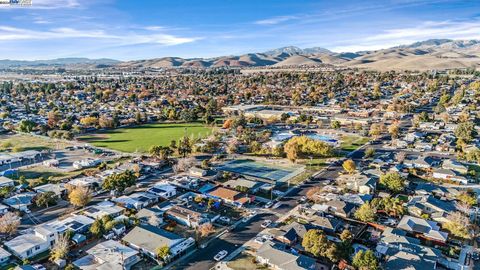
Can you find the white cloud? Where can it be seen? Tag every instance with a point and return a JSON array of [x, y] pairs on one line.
[[275, 20], [424, 31], [8, 33]]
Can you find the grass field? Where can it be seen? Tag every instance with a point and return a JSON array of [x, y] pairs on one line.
[[29, 142], [141, 138], [352, 142]]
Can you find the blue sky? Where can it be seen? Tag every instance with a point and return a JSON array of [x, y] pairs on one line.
[[136, 29]]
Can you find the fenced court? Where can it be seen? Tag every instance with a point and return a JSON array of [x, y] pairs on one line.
[[258, 170]]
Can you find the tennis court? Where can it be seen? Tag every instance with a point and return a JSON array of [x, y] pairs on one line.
[[254, 169]]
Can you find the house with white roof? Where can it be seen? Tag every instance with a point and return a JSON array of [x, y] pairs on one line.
[[108, 255], [6, 182], [163, 190], [28, 245]]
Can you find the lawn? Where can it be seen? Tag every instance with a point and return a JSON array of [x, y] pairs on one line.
[[141, 138], [352, 142], [22, 142], [245, 262]]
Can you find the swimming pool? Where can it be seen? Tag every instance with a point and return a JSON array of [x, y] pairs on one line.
[[324, 138]]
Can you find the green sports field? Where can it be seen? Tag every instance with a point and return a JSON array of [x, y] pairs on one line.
[[141, 138]]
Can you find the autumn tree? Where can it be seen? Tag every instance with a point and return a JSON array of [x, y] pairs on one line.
[[394, 130], [9, 223], [366, 212], [206, 229], [79, 196], [458, 225], [61, 248], [369, 152], [349, 166], [163, 252], [393, 181]]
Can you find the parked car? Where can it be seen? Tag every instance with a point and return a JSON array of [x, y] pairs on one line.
[[260, 240], [268, 237], [220, 255], [266, 223], [268, 204], [224, 220]]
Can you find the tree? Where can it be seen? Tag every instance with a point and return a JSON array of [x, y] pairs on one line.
[[394, 129], [183, 164], [9, 223], [60, 248], [365, 260], [160, 152], [206, 229], [393, 182], [79, 196], [467, 199], [335, 124], [97, 227], [184, 147], [345, 248], [349, 166], [119, 181], [465, 131], [369, 152], [291, 149], [46, 199], [391, 206], [163, 252], [6, 190], [375, 130], [366, 213], [458, 225], [26, 126], [315, 242]]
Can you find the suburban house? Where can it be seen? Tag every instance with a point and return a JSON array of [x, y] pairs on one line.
[[447, 174], [20, 201], [137, 200], [435, 190], [277, 256], [187, 216], [422, 162], [87, 181], [6, 182], [147, 238], [5, 256], [292, 233], [455, 166], [426, 229], [340, 208], [163, 190], [437, 209], [102, 209], [108, 255], [28, 245], [403, 252], [229, 196], [146, 215], [58, 189], [360, 183], [197, 172], [74, 223]]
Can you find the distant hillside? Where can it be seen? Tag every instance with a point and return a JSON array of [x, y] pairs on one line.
[[57, 62], [423, 55]]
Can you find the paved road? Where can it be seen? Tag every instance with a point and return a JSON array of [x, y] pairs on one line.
[[203, 258]]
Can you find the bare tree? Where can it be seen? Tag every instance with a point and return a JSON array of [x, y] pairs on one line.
[[206, 229], [9, 223], [183, 164], [154, 221], [60, 248]]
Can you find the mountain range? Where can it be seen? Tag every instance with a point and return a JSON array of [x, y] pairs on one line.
[[424, 55]]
